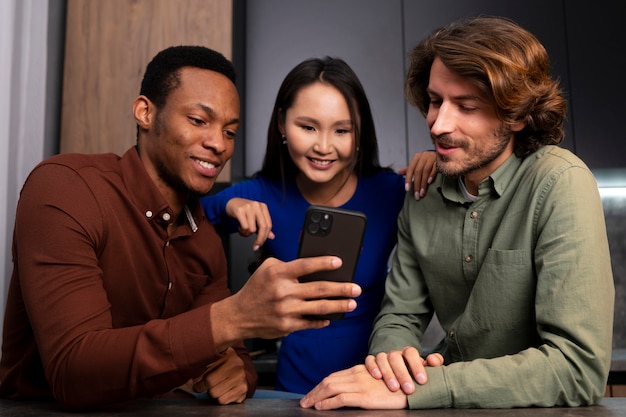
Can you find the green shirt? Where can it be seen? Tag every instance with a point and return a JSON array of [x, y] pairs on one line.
[[520, 280]]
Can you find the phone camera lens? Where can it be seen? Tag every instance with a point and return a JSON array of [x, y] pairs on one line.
[[316, 216], [325, 223], [319, 223]]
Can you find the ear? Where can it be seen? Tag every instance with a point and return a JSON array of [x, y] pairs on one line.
[[281, 121], [516, 127], [143, 112]]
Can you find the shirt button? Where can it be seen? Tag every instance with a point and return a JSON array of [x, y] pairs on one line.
[[473, 214], [149, 214], [451, 333], [169, 286], [469, 258], [166, 217]]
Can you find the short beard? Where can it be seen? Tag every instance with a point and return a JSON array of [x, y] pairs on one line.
[[502, 136]]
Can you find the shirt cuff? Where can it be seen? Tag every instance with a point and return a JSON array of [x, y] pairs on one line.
[[433, 394]]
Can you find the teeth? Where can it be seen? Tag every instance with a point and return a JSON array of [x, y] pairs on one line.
[[205, 164], [317, 161]]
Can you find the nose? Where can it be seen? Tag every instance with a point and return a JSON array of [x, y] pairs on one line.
[[441, 119], [323, 144], [214, 140]]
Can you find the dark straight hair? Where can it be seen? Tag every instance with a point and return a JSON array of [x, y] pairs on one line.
[[277, 164]]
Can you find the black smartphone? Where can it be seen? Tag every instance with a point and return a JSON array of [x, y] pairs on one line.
[[332, 231]]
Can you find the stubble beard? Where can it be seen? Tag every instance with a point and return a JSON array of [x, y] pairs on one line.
[[448, 167]]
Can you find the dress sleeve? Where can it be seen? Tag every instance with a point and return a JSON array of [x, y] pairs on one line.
[[214, 205]]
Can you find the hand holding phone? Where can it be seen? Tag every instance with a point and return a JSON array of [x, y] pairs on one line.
[[332, 231]]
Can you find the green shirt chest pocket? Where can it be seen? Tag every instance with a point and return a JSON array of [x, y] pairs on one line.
[[503, 295]]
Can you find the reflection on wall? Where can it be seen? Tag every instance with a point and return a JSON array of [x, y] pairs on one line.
[[615, 213], [612, 185]]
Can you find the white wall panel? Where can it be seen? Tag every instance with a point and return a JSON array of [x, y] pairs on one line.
[[23, 46]]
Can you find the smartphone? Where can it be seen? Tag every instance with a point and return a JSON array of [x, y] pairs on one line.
[[332, 231]]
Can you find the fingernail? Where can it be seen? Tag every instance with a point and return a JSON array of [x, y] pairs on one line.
[[351, 305], [356, 291], [421, 378], [255, 248], [422, 192], [407, 387], [393, 384], [304, 402], [416, 195], [407, 186], [430, 179]]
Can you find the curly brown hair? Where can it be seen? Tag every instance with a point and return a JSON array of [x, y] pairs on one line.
[[507, 63]]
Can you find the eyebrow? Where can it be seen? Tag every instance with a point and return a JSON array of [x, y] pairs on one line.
[[209, 110], [461, 97], [312, 120]]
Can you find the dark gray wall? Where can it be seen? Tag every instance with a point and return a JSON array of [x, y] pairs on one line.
[[584, 40], [595, 43]]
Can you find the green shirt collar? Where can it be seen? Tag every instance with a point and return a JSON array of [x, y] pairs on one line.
[[495, 184]]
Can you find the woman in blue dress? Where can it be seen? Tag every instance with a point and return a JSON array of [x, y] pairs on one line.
[[322, 149]]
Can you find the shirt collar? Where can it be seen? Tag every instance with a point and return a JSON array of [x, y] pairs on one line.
[[503, 176], [495, 184], [148, 198]]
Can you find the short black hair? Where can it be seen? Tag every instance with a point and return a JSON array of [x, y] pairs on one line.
[[163, 72]]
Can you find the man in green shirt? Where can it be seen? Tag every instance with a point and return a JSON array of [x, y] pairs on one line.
[[510, 250]]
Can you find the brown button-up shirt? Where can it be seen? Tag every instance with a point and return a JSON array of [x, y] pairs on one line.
[[103, 305]]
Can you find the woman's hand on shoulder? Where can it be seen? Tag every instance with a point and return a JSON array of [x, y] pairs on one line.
[[420, 173]]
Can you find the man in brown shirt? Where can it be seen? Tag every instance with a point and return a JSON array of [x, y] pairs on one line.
[[119, 284]]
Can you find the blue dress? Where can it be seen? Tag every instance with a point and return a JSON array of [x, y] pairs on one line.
[[306, 357]]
